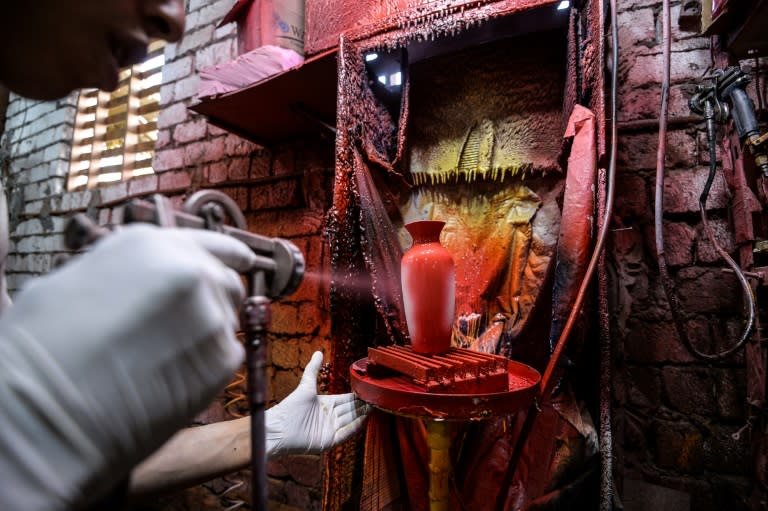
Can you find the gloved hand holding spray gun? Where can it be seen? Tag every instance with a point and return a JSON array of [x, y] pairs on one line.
[[144, 346]]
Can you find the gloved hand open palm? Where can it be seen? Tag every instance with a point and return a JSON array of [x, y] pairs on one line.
[[305, 422]]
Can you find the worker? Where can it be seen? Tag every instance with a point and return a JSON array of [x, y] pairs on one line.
[[107, 357]]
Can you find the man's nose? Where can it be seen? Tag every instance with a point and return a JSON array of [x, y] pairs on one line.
[[164, 19]]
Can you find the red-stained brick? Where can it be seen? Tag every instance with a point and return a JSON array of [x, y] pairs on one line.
[[174, 180], [279, 194], [683, 188], [678, 243], [708, 291]]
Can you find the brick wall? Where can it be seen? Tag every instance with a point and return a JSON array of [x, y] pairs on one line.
[[35, 148], [283, 191], [677, 417]]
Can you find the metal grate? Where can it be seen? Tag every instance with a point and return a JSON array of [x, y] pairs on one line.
[[116, 132]]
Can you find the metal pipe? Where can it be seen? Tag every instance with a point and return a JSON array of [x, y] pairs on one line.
[[644, 124], [605, 419], [606, 388], [666, 280], [254, 319], [439, 442]]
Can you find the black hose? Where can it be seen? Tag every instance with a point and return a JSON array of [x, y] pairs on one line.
[[666, 280], [746, 287], [758, 88]]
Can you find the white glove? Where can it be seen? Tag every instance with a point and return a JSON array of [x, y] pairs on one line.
[[305, 423], [102, 360]]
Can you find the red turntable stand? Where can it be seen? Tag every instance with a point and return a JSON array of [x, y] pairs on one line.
[[459, 385]]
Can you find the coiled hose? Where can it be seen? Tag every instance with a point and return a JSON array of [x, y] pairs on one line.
[[666, 280]]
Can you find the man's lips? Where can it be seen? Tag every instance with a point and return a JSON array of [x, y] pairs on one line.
[[131, 54], [124, 52], [128, 50]]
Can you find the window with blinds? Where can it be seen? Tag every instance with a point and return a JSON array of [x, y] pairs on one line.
[[115, 132]]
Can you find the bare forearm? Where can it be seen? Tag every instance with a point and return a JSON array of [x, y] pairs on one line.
[[194, 455]]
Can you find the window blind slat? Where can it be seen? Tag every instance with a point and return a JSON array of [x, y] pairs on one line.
[[88, 110], [109, 169], [114, 118], [148, 109], [109, 153], [149, 91], [145, 147], [118, 130], [147, 128]]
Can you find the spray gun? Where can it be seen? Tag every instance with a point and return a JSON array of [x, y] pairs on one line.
[[725, 97], [277, 272], [279, 263]]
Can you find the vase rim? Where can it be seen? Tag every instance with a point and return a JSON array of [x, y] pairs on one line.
[[425, 230], [425, 222]]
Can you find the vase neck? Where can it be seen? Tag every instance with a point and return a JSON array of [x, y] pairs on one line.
[[425, 231]]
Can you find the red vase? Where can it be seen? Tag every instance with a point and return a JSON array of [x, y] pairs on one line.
[[428, 278]]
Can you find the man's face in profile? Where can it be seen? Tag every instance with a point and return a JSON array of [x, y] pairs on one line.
[[50, 47]]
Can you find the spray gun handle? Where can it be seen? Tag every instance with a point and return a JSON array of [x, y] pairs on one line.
[[279, 262], [742, 112], [744, 118]]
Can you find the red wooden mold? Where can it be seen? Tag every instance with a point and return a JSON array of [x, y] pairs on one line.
[[457, 370]]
